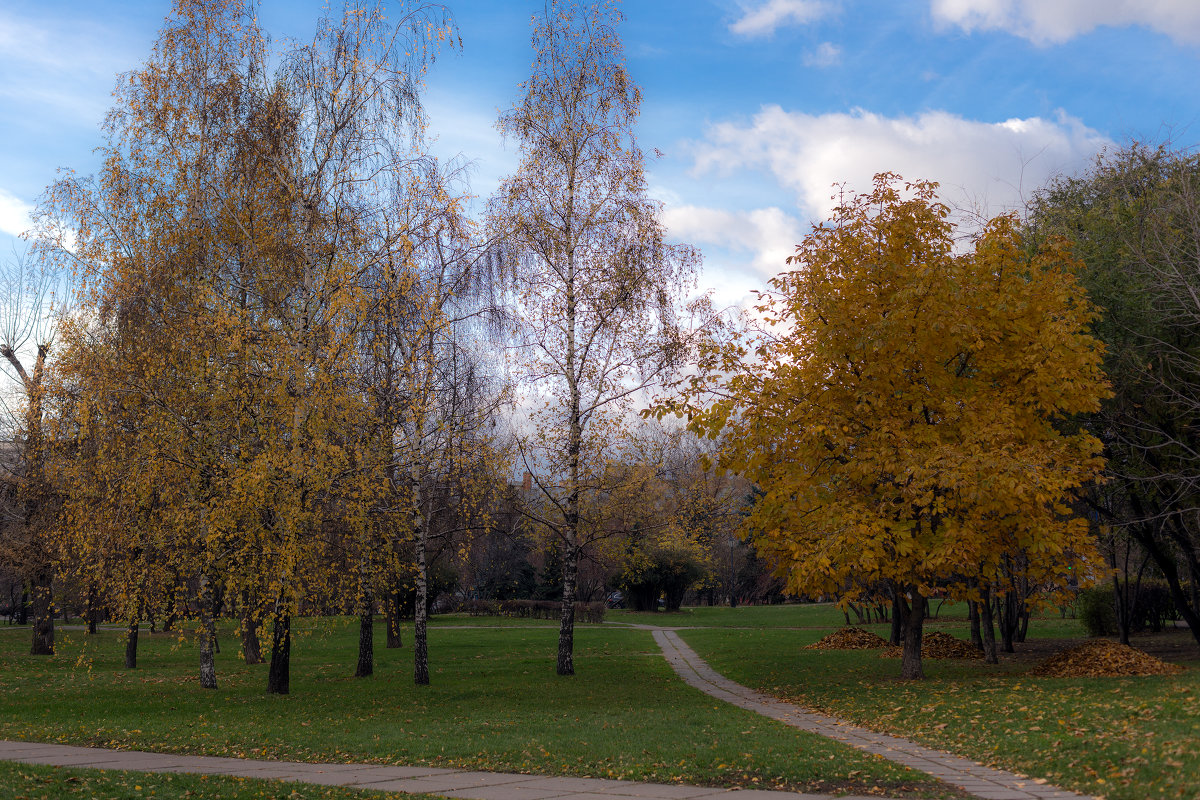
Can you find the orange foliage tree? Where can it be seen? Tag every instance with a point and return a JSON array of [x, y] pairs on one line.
[[904, 407]]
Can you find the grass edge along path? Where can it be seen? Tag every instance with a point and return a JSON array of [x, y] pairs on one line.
[[495, 704], [1117, 738], [973, 778], [131, 774], [26, 781]]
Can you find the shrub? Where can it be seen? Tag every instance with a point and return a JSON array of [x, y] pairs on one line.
[[1096, 611]]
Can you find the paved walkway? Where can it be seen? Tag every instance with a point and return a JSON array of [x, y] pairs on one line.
[[446, 782], [981, 781]]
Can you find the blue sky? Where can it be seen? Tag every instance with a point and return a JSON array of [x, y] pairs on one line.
[[759, 106]]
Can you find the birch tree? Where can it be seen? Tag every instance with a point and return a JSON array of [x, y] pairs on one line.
[[598, 290]]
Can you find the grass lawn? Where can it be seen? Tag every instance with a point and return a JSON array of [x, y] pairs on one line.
[[1119, 738], [495, 703], [36, 782]]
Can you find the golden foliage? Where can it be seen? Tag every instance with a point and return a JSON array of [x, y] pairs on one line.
[[903, 405], [849, 639], [938, 644], [1101, 658]]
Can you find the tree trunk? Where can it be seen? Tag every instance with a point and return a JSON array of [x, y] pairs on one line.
[[1023, 622], [42, 600], [131, 643], [93, 612], [914, 623], [989, 633], [1008, 619], [366, 643], [421, 606], [251, 646], [973, 613], [897, 631], [208, 636], [392, 616], [1188, 607], [279, 674], [566, 622]]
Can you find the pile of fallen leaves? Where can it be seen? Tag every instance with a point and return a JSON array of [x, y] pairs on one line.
[[849, 639], [936, 644], [1100, 658]]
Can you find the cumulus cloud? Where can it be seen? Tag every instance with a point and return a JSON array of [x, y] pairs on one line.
[[763, 18], [1055, 21], [988, 166], [768, 234], [826, 55], [14, 214]]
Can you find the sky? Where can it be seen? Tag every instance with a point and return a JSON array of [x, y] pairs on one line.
[[757, 107]]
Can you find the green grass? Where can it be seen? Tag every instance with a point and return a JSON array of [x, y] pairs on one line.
[[37, 782], [495, 704], [1120, 738], [815, 615], [781, 616]]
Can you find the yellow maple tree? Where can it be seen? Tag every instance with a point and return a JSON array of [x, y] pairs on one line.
[[901, 407]]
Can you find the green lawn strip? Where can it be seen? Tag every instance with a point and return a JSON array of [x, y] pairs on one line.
[[495, 704], [39, 782], [818, 615], [1120, 738], [780, 616]]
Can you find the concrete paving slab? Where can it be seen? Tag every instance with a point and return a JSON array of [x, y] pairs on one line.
[[509, 791], [637, 789], [441, 784], [96, 761]]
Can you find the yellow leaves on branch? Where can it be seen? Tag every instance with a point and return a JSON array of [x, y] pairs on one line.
[[904, 413]]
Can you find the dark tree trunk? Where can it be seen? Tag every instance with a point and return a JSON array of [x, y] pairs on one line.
[[392, 617], [914, 623], [1023, 623], [897, 632], [131, 643], [1008, 607], [93, 612], [42, 601], [23, 608], [251, 646], [366, 644], [989, 633], [1187, 606], [973, 614], [279, 674], [208, 636], [566, 622]]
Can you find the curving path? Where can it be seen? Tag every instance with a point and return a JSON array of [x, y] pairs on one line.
[[976, 779]]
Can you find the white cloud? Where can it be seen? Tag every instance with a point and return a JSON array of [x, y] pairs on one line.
[[768, 233], [826, 55], [14, 214], [988, 166], [1055, 21], [763, 18]]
